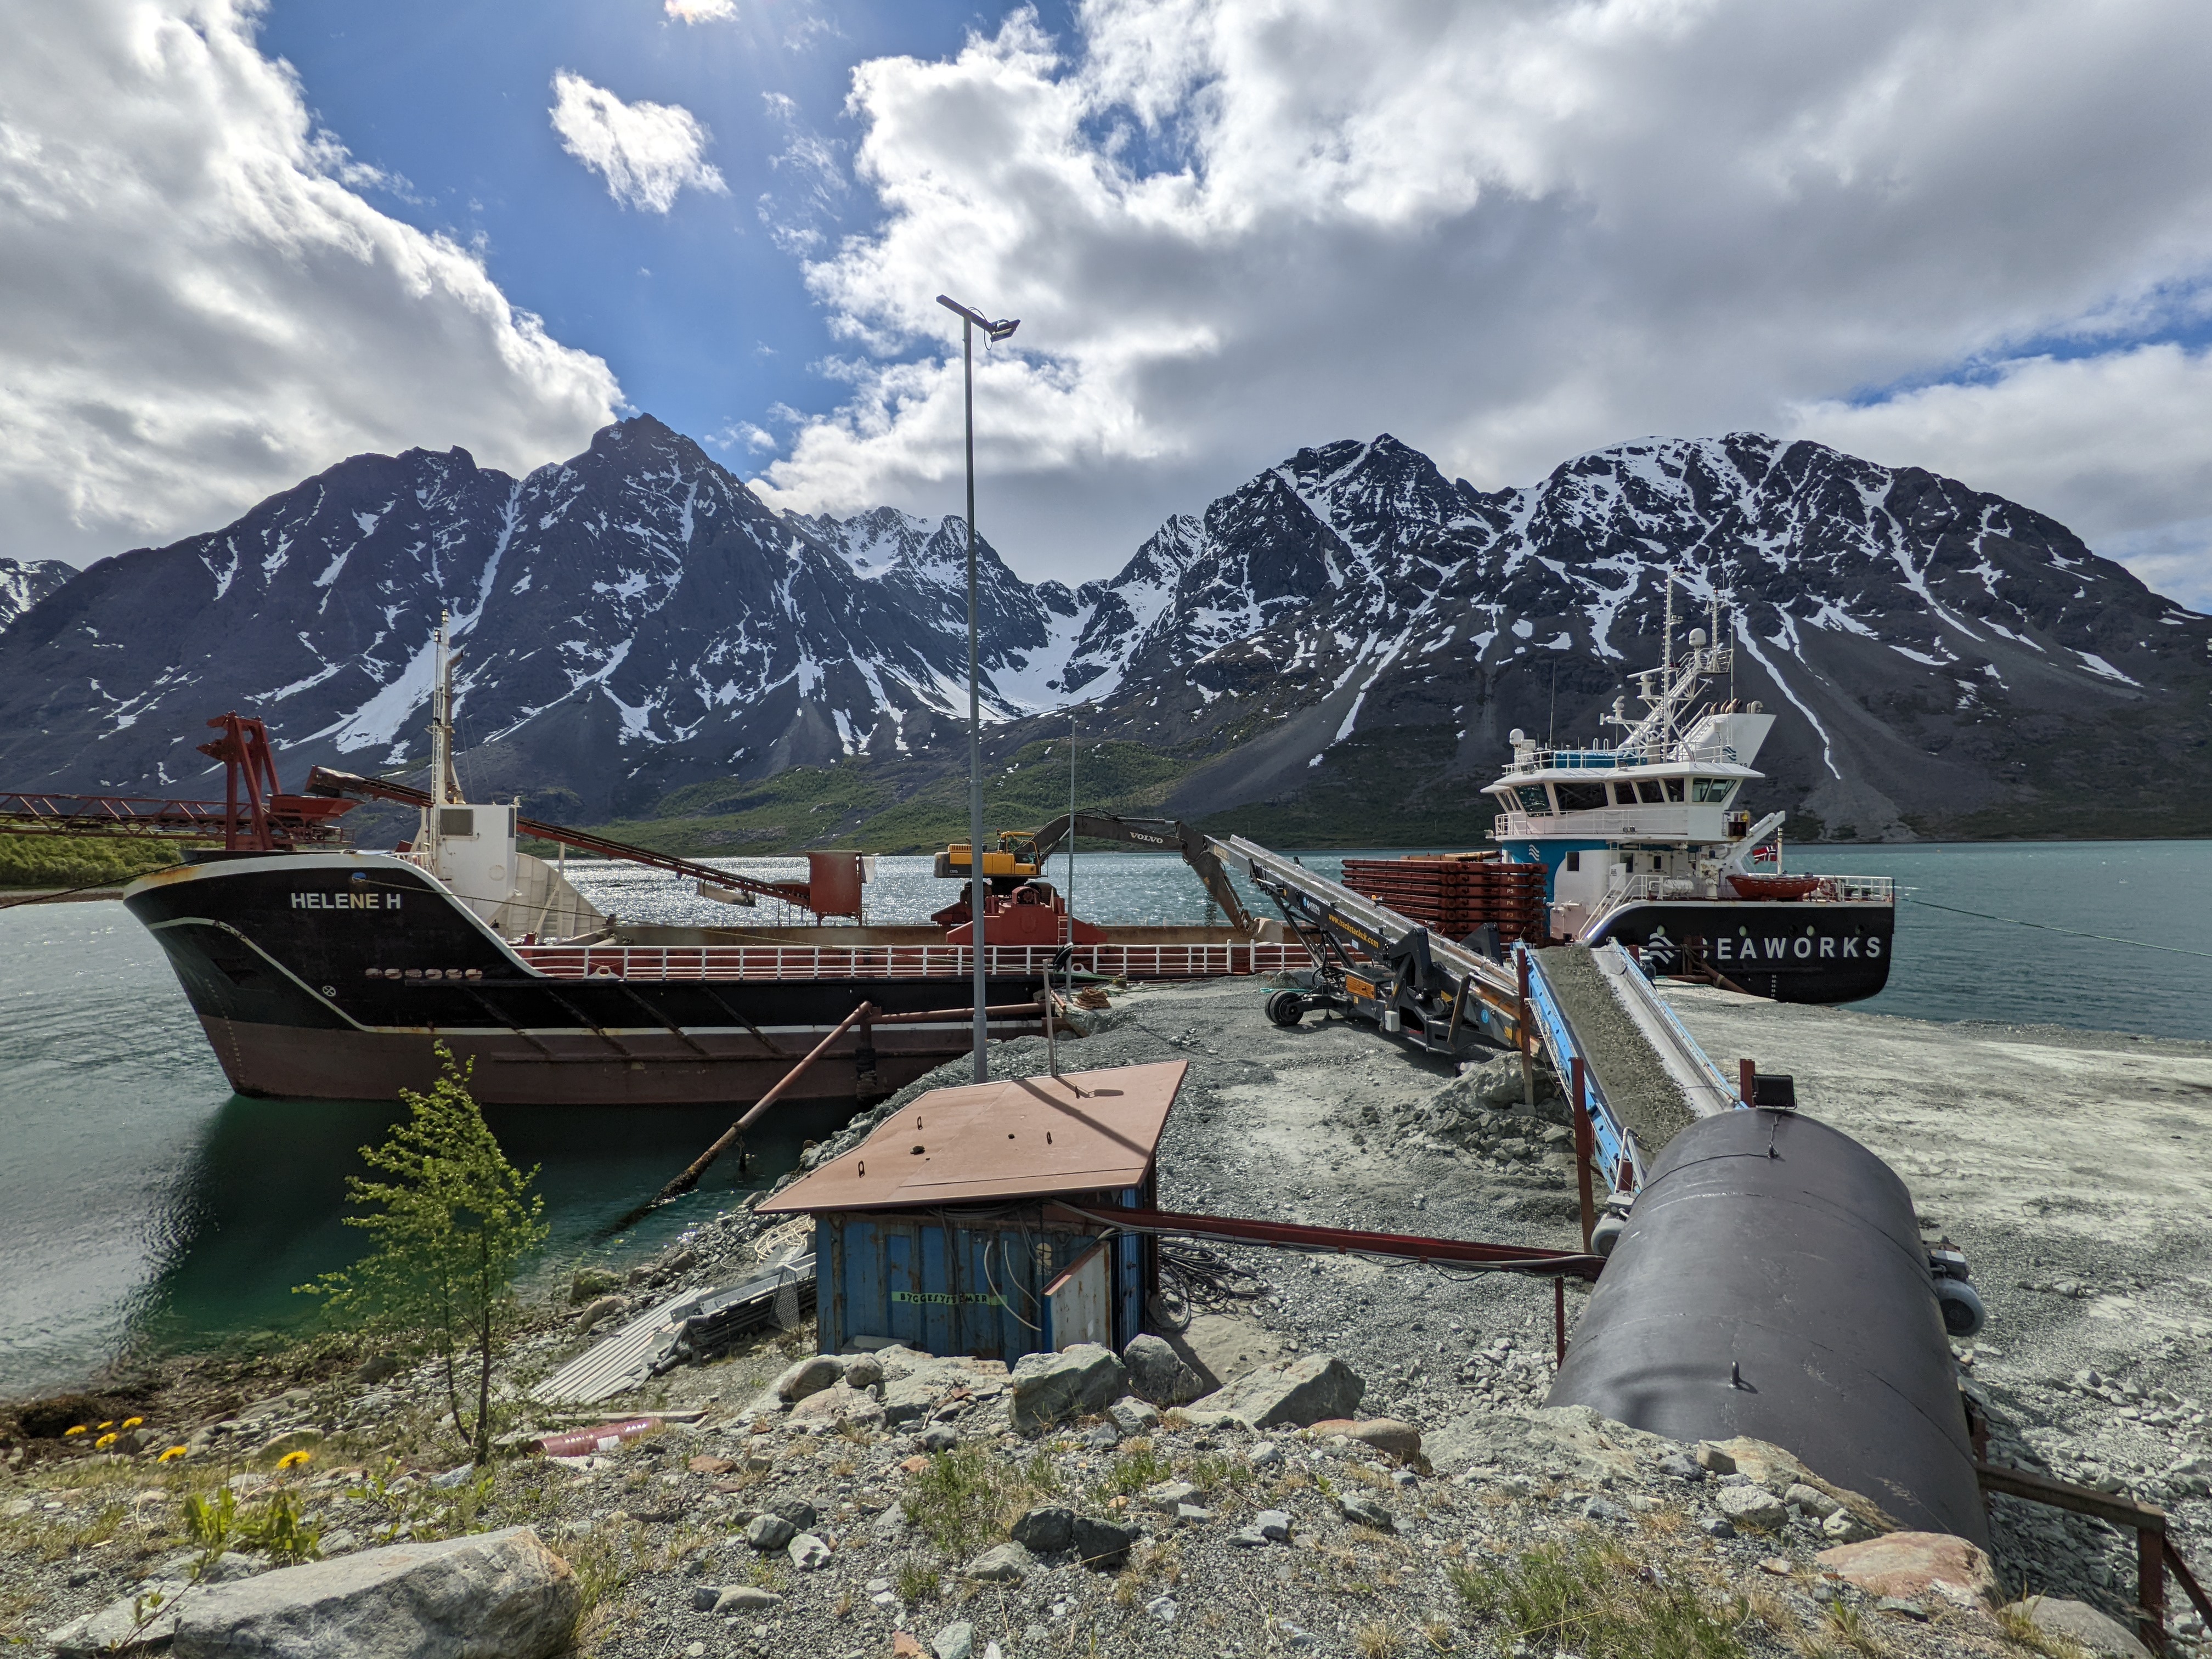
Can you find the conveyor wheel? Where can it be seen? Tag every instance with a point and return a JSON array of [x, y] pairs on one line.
[[1963, 1312], [1607, 1233], [1286, 1008]]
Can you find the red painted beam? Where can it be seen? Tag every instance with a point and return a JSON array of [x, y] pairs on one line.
[[1503, 1258]]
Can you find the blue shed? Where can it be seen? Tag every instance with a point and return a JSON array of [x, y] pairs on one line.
[[977, 1220]]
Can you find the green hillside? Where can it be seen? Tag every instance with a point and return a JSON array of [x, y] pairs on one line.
[[77, 861]]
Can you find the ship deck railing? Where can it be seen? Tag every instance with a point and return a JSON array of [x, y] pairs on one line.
[[1649, 886], [948, 962]]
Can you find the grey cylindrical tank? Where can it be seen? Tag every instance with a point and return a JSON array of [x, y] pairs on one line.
[[1772, 1282]]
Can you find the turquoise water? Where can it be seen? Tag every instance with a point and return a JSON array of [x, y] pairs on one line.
[[141, 1202]]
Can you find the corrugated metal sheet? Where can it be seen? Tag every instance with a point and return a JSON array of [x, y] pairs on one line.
[[1023, 1137]]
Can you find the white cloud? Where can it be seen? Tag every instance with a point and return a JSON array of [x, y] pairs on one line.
[[647, 152], [699, 11], [199, 308], [1506, 232]]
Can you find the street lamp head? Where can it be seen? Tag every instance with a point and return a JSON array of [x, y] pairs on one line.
[[1003, 329]]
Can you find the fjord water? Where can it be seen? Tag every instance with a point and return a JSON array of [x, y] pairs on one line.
[[142, 1204]]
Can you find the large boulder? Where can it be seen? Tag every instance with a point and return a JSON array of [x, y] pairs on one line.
[[496, 1595], [1157, 1372], [2081, 1625], [1909, 1565], [810, 1375], [1288, 1393], [1049, 1388]]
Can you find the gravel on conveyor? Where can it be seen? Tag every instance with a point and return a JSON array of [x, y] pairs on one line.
[[1629, 1074]]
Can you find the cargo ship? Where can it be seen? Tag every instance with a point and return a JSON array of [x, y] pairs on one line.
[[1643, 840], [323, 972]]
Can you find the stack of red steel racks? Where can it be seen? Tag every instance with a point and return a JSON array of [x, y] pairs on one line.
[[1454, 893]]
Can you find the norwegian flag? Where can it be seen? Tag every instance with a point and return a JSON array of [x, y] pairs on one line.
[[1770, 850]]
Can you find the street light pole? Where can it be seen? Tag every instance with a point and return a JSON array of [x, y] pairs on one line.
[[978, 885]]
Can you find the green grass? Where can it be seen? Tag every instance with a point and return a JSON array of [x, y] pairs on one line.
[[44, 860], [1590, 1597], [965, 1500]]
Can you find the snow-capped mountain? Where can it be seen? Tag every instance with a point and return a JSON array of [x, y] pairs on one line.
[[24, 582], [1350, 636]]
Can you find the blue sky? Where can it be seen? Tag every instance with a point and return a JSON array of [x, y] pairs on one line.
[[705, 317], [1975, 238]]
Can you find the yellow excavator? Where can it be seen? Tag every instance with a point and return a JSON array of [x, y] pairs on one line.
[[1020, 855]]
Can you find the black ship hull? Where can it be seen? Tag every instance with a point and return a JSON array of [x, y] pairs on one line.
[[335, 976], [1823, 952]]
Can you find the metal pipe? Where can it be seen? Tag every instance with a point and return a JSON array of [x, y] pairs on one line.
[[979, 885], [1461, 1253], [685, 1182]]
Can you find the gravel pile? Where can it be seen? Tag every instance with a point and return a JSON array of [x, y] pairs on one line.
[[1634, 1082]]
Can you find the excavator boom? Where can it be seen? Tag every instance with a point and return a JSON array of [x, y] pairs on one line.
[[1168, 835]]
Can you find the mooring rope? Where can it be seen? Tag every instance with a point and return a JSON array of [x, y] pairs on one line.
[[2053, 928]]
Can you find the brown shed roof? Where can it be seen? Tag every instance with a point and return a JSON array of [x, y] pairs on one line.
[[1024, 1138]]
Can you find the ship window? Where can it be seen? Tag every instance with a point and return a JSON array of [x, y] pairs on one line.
[[1580, 797], [1574, 860], [1712, 789], [1533, 801], [1673, 788], [1624, 795], [456, 820], [1649, 792]]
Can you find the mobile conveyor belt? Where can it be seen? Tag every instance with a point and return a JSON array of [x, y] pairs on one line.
[[1646, 1078]]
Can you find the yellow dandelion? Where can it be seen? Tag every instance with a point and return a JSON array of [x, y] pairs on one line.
[[104, 1441], [171, 1456], [79, 1429], [132, 1422], [292, 1459]]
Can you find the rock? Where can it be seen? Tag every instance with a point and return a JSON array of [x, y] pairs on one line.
[[1005, 1563], [139, 1623], [1752, 1506], [1675, 1467], [1169, 1493], [592, 1282], [1045, 1531], [797, 1511], [1158, 1373], [829, 1409], [1192, 1515], [1049, 1388], [1250, 1538], [1273, 1525], [810, 1375], [904, 1646], [1164, 1609], [1385, 1434], [1264, 1456], [937, 1437], [807, 1553], [954, 1642], [744, 1598], [592, 1312], [340, 1541], [1716, 1526], [1845, 1528], [864, 1370], [1101, 1544], [454, 1478], [1133, 1416], [1601, 1508], [1902, 1608], [2082, 1624], [768, 1533], [891, 1525], [1713, 1461], [501, 1594], [1811, 1500], [1289, 1393], [1367, 1512], [1910, 1565], [705, 1463], [378, 1368]]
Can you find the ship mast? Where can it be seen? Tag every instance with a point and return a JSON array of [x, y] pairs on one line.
[[444, 788]]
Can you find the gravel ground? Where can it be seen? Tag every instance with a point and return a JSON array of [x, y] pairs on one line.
[[2046, 1155], [1633, 1082]]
